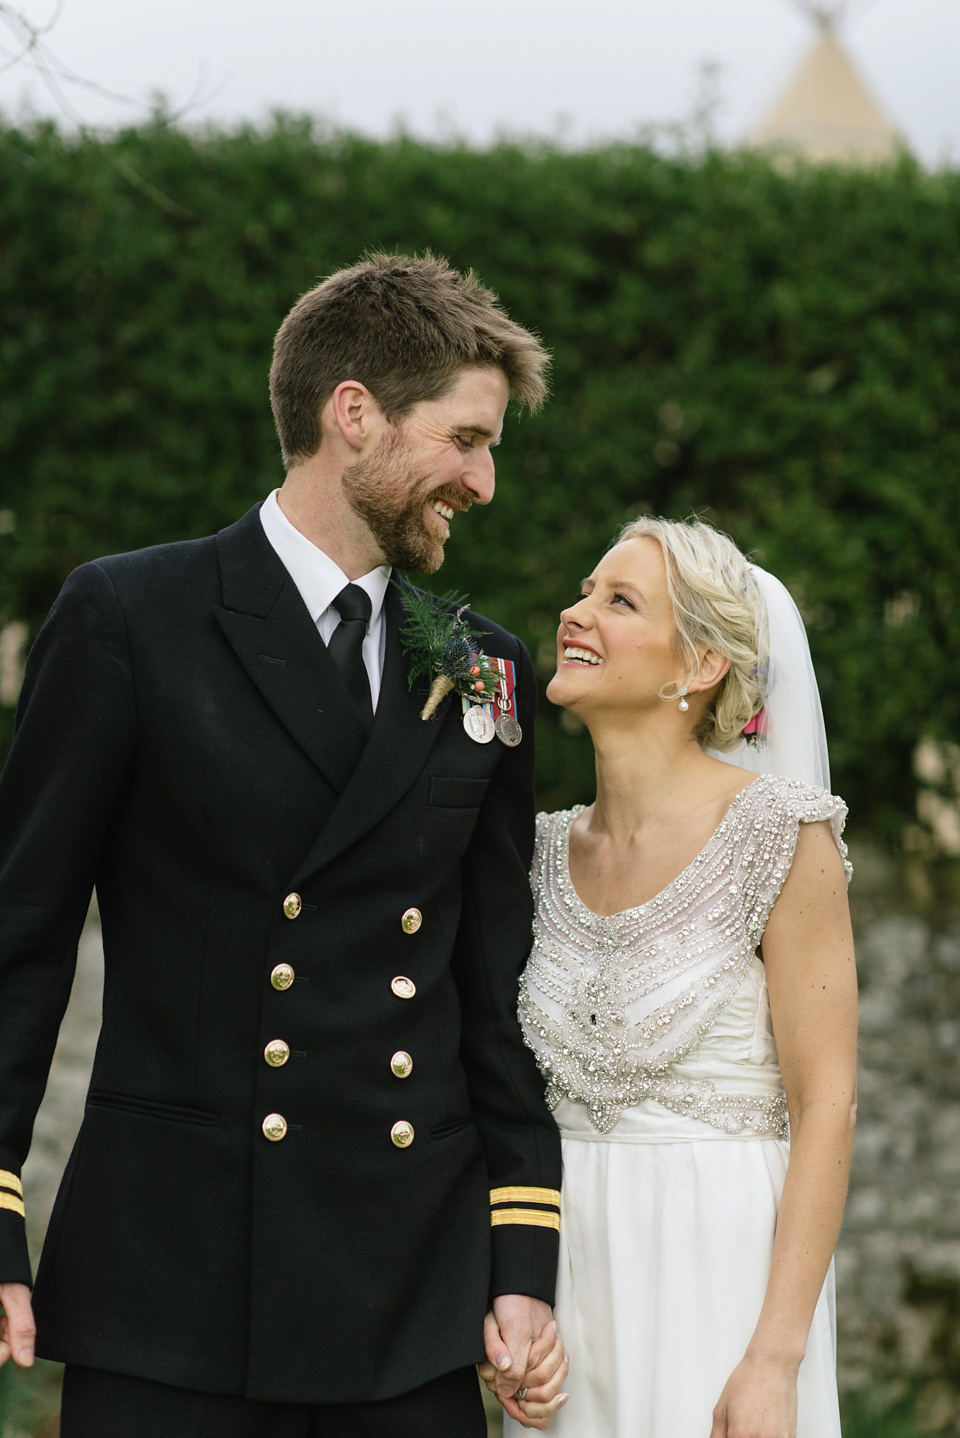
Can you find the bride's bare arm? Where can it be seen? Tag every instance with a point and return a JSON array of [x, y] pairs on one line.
[[808, 952]]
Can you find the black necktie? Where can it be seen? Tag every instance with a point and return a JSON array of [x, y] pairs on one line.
[[346, 648]]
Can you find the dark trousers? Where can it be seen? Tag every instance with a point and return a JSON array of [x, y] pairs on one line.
[[111, 1405]]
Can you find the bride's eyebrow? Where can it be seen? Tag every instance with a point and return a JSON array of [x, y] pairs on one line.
[[624, 584]]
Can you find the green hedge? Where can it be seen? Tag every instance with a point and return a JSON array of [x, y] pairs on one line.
[[780, 351]]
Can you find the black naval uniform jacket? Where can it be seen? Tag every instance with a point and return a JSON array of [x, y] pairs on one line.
[[185, 744]]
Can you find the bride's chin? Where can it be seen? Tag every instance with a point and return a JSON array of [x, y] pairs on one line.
[[559, 695], [554, 690]]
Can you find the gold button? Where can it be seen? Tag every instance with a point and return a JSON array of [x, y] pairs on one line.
[[401, 1064], [402, 1133], [411, 921], [292, 905], [403, 988], [282, 976], [274, 1127], [276, 1053]]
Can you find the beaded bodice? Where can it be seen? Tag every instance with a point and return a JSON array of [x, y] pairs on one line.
[[613, 1005]]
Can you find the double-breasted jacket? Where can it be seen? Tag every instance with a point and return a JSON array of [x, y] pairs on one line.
[[314, 1143]]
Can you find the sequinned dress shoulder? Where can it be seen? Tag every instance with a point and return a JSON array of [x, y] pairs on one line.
[[617, 1008]]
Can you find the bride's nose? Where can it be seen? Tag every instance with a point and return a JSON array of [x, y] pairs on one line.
[[575, 616]]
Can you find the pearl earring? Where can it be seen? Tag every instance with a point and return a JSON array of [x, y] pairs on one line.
[[683, 706]]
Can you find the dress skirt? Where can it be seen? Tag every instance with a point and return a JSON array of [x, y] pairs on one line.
[[666, 1240]]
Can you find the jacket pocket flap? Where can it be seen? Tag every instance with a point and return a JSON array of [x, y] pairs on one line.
[[152, 1108]]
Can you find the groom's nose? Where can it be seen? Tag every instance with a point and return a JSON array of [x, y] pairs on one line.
[[478, 476]]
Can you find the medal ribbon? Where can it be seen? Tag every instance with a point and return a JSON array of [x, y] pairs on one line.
[[505, 697]]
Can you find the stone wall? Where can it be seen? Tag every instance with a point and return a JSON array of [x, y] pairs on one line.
[[898, 1264], [62, 1109]]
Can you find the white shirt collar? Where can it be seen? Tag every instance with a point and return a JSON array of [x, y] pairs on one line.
[[315, 574]]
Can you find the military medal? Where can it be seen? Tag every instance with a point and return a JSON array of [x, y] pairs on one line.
[[478, 722], [508, 731], [506, 723]]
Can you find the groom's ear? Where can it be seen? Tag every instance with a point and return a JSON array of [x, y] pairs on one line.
[[353, 414], [713, 667]]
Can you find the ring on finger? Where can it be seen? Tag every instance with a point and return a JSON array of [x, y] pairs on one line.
[[521, 1393]]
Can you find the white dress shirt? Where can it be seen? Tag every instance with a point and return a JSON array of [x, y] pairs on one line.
[[319, 581]]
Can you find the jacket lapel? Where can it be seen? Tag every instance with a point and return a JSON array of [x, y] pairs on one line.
[[272, 634], [396, 751]]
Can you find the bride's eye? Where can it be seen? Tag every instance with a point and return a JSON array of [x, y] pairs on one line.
[[622, 599]]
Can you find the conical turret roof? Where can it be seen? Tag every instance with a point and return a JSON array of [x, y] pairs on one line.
[[827, 112]]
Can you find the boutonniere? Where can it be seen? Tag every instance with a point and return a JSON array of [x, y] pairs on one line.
[[440, 644]]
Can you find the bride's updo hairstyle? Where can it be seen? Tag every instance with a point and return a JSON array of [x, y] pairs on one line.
[[717, 605]]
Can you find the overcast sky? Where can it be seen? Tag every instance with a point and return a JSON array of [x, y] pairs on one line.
[[591, 69]]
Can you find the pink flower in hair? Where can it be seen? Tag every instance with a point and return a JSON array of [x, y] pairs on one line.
[[756, 731]]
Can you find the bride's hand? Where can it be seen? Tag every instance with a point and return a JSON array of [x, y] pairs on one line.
[[547, 1370], [759, 1400]]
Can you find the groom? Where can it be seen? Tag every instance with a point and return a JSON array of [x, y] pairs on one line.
[[315, 1149]]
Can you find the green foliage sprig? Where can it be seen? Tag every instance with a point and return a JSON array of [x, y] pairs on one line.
[[441, 646]]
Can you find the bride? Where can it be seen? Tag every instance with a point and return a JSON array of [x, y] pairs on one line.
[[691, 999]]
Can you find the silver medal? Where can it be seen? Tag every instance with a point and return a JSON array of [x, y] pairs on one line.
[[508, 731], [478, 724]]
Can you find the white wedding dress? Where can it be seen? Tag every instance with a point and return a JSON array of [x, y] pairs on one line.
[[652, 1028]]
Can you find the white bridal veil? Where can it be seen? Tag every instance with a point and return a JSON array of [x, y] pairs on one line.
[[795, 743]]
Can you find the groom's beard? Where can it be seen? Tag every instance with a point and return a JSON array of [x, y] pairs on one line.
[[389, 495]]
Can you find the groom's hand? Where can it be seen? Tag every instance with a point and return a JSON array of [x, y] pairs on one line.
[[509, 1332], [520, 1338], [17, 1328]]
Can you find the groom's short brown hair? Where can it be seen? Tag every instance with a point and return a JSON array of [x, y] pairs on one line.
[[404, 326]]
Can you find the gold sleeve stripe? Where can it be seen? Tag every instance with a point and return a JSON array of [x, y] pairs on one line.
[[534, 1217], [10, 1180], [15, 1205], [525, 1195]]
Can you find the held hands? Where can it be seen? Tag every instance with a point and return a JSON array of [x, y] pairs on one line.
[[17, 1328], [759, 1400], [524, 1355]]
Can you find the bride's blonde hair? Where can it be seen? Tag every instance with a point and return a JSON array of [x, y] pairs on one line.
[[717, 605]]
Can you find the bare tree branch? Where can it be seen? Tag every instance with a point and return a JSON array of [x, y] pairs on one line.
[[34, 52], [31, 49]]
